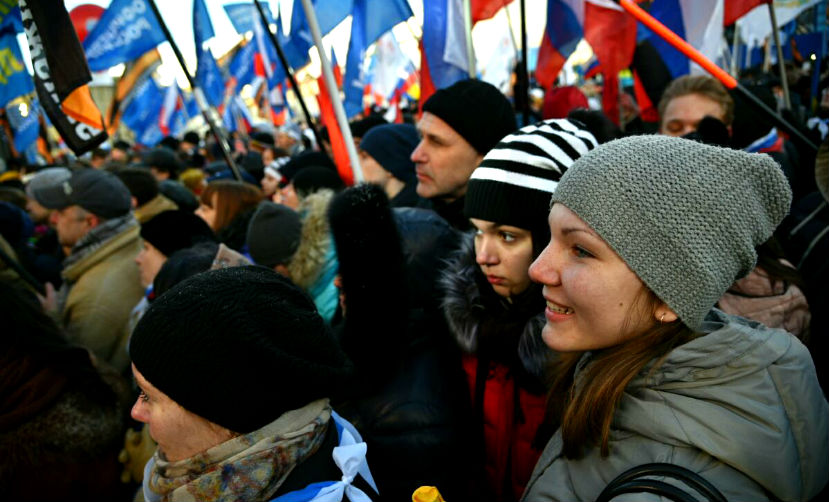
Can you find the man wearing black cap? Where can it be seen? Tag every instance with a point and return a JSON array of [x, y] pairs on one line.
[[460, 124], [93, 220]]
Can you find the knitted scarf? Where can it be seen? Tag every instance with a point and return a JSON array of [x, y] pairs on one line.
[[250, 467]]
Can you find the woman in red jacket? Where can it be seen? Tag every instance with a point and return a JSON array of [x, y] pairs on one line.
[[493, 309]]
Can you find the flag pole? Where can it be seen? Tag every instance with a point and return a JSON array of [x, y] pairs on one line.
[[288, 71], [524, 78], [197, 93], [735, 48], [783, 80], [727, 80], [333, 91], [470, 50]]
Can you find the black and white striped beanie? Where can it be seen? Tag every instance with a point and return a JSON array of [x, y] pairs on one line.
[[516, 179]]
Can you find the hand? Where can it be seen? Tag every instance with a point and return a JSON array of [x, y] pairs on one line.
[[49, 302]]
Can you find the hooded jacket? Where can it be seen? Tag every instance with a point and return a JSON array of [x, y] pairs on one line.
[[313, 266], [741, 406], [504, 341]]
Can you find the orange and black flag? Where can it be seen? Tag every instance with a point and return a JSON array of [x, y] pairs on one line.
[[134, 74], [61, 74]]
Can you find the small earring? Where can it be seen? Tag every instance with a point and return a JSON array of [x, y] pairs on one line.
[[662, 318]]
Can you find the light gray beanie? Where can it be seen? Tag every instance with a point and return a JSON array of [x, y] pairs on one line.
[[684, 216]]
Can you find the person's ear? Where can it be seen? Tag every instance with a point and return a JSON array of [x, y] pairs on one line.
[[92, 220], [664, 314]]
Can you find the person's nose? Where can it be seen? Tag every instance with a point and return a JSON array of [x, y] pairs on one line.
[[418, 155], [546, 268], [485, 252]]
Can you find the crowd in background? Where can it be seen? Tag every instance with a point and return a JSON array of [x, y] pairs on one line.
[[173, 332]]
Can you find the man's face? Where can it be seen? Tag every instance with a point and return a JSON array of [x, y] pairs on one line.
[[444, 161], [72, 223], [684, 113]]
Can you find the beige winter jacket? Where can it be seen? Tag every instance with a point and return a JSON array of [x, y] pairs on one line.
[[103, 289]]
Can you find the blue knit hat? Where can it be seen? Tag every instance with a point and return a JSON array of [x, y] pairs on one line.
[[391, 146]]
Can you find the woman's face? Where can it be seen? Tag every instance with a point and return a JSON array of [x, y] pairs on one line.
[[504, 254], [179, 433], [269, 185], [594, 300], [208, 213]]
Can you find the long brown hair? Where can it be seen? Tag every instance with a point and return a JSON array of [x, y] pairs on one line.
[[232, 198], [584, 409]]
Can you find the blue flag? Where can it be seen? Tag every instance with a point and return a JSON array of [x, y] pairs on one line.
[[127, 30], [209, 78], [11, 20], [241, 65], [26, 127], [208, 75], [369, 22], [299, 42], [380, 17], [355, 80], [330, 13], [143, 109], [242, 15], [202, 27], [14, 79]]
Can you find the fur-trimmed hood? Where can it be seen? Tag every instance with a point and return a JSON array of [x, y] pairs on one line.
[[467, 306], [315, 239]]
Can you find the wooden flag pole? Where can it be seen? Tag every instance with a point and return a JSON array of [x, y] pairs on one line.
[[467, 28], [780, 64]]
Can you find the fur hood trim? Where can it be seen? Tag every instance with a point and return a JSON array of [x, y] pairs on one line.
[[315, 240], [464, 309]]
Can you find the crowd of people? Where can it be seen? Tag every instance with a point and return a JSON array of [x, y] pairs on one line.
[[501, 313]]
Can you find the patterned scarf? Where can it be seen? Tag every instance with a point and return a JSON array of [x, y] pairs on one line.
[[249, 467]]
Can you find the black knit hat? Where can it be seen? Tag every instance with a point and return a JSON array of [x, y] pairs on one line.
[[170, 231], [476, 110], [273, 234], [238, 346], [516, 179], [314, 178]]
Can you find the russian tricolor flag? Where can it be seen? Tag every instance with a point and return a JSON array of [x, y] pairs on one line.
[[443, 58], [609, 30]]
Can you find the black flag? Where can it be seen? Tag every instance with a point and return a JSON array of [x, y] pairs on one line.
[[61, 74]]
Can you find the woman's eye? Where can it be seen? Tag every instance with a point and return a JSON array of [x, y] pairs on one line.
[[581, 252], [143, 397], [508, 237]]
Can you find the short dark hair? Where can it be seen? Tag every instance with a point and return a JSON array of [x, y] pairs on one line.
[[140, 182]]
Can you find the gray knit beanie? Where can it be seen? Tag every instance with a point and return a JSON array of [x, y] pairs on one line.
[[684, 216]]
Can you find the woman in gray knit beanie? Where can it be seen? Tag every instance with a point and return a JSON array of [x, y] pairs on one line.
[[647, 233]]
